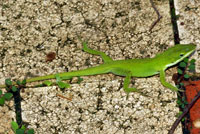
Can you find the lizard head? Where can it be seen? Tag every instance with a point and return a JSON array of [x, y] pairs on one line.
[[177, 53]]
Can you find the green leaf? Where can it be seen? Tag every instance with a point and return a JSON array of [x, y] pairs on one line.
[[30, 131], [63, 85], [47, 83], [14, 88], [182, 64], [186, 76], [8, 96], [19, 131], [8, 82], [192, 67], [23, 127], [182, 105], [185, 102], [178, 86], [18, 82], [178, 102], [186, 60], [79, 79], [24, 82], [14, 126], [180, 113], [2, 101], [182, 84], [192, 61], [0, 92], [180, 71]]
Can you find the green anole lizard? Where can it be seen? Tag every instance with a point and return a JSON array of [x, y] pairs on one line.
[[130, 68]]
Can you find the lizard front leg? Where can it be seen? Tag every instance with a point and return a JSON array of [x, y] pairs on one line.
[[165, 83]]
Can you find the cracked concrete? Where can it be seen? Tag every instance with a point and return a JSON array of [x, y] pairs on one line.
[[31, 29]]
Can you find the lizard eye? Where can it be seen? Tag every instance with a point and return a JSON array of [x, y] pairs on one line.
[[181, 55]]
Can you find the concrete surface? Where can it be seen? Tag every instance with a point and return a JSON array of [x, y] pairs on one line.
[[188, 24], [31, 29]]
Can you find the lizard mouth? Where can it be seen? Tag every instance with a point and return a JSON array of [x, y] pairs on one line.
[[188, 54]]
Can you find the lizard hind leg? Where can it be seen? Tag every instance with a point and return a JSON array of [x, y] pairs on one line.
[[127, 82], [126, 87], [105, 57]]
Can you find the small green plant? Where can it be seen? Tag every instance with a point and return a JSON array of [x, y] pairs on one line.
[[9, 94], [182, 68], [184, 65], [21, 130], [192, 65], [182, 102], [12, 87]]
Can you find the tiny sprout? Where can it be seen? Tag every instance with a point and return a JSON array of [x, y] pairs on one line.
[[180, 71], [8, 82], [8, 96], [14, 88], [2, 100], [186, 76], [182, 64]]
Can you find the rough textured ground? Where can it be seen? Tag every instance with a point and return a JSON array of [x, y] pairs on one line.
[[31, 29]]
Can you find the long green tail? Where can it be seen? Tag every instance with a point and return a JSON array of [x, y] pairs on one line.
[[101, 69]]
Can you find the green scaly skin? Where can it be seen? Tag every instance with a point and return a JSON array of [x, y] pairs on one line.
[[130, 68]]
